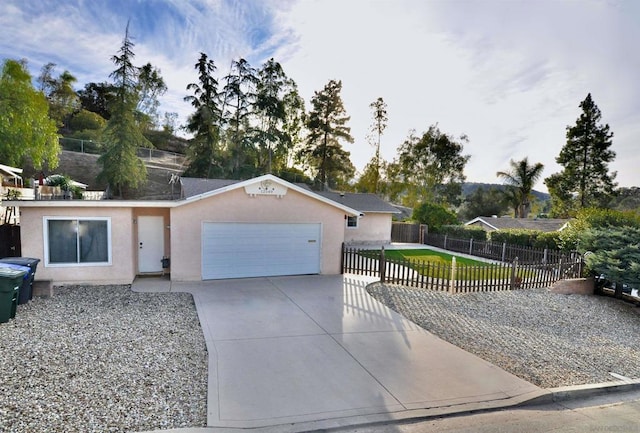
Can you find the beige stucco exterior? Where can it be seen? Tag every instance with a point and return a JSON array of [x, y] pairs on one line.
[[123, 263], [373, 228], [237, 206], [183, 222]]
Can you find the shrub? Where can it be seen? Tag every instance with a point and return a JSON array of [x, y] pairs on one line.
[[615, 253], [595, 218], [464, 232], [550, 240], [514, 237], [434, 216]]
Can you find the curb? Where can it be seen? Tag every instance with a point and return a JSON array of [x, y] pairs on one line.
[[575, 392]]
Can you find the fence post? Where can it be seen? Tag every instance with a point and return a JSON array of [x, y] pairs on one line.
[[445, 242], [342, 259], [504, 250], [470, 246], [382, 266], [544, 258], [514, 267], [452, 280], [559, 269]]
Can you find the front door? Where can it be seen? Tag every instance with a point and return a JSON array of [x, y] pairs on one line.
[[150, 243]]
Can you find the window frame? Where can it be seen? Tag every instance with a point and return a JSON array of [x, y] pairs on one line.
[[352, 218], [77, 219]]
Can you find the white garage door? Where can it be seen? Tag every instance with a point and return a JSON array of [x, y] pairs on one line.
[[238, 250]]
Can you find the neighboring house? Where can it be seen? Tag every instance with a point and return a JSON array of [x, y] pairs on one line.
[[404, 213], [10, 176], [220, 229], [541, 224], [11, 186]]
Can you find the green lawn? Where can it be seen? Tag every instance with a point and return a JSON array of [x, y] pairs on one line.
[[431, 256], [432, 264]]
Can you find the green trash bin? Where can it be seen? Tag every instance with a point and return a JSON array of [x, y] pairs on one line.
[[10, 282]]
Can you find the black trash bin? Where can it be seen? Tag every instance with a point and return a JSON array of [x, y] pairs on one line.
[[26, 293], [10, 282]]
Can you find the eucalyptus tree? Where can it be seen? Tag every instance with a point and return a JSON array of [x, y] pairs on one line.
[[279, 111], [585, 179], [238, 99], [59, 91], [26, 130], [377, 127], [431, 167], [121, 167], [522, 178], [97, 97], [204, 152], [483, 202], [150, 87], [327, 127], [294, 121]]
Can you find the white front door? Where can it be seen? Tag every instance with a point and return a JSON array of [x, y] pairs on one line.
[[150, 243]]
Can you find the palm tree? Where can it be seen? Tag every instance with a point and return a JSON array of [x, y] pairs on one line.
[[522, 178]]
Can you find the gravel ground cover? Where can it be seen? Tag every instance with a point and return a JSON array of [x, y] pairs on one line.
[[103, 359], [548, 339]]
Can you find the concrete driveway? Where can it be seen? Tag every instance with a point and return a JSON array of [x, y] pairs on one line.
[[318, 350]]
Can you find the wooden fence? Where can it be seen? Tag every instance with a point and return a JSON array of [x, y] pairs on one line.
[[456, 278], [500, 251], [408, 232]]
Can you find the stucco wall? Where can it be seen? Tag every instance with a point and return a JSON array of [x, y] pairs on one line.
[[372, 228], [121, 270], [237, 206]]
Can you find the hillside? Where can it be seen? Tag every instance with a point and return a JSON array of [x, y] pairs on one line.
[[84, 168], [470, 187]]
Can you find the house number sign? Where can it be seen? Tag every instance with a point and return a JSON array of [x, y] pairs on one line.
[[266, 187]]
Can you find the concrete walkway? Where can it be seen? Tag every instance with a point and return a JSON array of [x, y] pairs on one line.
[[313, 352]]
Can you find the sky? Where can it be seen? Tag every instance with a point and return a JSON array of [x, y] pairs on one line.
[[509, 74]]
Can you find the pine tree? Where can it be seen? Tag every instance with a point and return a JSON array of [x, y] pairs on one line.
[[270, 109], [327, 126], [585, 180], [121, 167], [378, 126], [239, 98], [204, 151]]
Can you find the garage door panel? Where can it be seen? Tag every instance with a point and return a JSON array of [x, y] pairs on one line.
[[236, 250]]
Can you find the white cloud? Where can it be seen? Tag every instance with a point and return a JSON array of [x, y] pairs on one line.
[[509, 74]]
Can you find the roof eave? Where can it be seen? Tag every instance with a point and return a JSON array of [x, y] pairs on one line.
[[272, 178]]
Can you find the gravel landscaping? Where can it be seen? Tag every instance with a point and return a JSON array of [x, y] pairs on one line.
[[548, 339], [103, 359]]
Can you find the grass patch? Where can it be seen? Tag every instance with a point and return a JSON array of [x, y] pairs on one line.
[[431, 256], [437, 264]]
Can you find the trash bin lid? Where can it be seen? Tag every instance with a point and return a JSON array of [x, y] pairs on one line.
[[25, 269], [6, 272], [24, 261]]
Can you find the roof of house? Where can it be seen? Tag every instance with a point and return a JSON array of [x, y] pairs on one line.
[[541, 224], [193, 186], [199, 189], [364, 202]]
